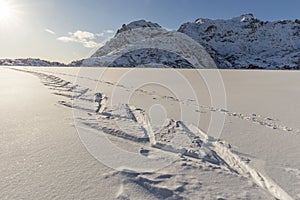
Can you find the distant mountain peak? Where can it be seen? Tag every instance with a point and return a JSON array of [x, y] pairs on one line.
[[246, 17], [138, 24]]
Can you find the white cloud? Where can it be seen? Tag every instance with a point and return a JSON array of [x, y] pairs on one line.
[[92, 44], [50, 31], [83, 35], [78, 36], [66, 39], [87, 39]]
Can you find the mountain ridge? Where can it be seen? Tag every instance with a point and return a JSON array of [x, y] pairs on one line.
[[28, 62], [247, 42], [243, 42]]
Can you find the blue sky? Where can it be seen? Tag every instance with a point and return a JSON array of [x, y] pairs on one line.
[[65, 30]]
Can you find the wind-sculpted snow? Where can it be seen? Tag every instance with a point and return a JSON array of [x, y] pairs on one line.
[[193, 148]]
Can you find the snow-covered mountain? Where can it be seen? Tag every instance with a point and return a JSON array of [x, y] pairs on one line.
[[247, 42], [146, 43], [240, 42], [28, 62], [138, 24]]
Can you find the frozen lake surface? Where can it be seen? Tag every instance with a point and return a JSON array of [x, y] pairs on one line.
[[163, 127]]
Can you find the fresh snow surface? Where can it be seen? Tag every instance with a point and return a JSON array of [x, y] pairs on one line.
[[44, 157]]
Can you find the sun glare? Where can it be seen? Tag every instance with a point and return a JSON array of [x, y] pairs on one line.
[[7, 11]]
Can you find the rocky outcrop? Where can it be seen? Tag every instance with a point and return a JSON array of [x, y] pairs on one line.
[[247, 42]]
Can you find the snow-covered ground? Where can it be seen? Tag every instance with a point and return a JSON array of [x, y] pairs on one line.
[[53, 118]]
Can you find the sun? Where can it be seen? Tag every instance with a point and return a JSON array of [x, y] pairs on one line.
[[6, 10]]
